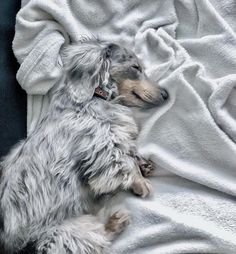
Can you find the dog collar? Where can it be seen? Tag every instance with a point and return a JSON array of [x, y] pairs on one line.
[[99, 92], [104, 92]]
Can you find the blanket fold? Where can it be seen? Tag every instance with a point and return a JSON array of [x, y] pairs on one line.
[[188, 47]]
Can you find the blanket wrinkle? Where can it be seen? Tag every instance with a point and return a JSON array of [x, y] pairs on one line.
[[188, 47]]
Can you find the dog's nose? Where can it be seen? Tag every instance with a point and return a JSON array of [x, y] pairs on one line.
[[164, 94]]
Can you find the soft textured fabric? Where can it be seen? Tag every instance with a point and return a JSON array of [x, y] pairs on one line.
[[12, 97], [189, 47]]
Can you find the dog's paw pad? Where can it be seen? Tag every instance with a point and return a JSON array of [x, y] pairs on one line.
[[142, 187], [147, 167], [118, 222]]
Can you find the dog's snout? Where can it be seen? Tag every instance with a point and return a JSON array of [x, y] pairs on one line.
[[164, 94]]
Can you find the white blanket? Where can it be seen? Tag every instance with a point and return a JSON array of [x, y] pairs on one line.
[[189, 47]]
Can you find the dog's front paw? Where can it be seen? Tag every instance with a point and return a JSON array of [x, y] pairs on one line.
[[118, 222], [147, 167], [142, 187]]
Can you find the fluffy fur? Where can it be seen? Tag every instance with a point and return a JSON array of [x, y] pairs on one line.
[[81, 150]]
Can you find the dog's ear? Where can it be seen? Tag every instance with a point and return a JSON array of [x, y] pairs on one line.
[[86, 66]]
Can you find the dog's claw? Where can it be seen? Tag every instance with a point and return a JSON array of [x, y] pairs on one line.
[[142, 187]]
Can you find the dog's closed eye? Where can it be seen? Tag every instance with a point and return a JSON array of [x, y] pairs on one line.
[[136, 67], [137, 95]]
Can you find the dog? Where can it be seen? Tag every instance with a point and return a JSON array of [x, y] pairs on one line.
[[81, 151]]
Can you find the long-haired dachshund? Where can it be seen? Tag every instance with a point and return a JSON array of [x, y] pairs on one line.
[[82, 149]]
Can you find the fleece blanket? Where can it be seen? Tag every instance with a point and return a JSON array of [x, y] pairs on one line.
[[188, 47]]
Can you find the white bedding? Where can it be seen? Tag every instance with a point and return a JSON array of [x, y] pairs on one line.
[[189, 47]]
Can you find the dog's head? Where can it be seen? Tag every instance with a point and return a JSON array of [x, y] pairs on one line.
[[93, 64]]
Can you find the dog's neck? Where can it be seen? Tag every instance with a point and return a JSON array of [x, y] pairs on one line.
[[67, 96]]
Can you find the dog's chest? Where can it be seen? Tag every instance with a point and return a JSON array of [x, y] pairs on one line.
[[118, 120], [103, 126]]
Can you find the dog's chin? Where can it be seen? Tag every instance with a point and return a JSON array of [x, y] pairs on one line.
[[143, 105]]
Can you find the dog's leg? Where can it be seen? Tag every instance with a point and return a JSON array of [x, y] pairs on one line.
[[138, 183], [84, 235], [127, 177], [134, 180]]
